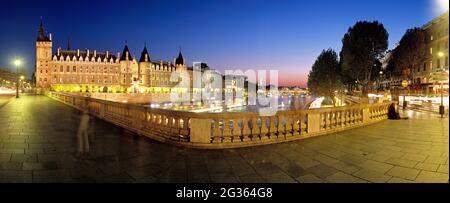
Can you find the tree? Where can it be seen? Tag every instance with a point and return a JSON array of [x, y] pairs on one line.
[[324, 77], [410, 52], [346, 79], [362, 46]]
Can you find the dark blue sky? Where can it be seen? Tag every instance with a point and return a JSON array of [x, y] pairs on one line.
[[246, 34]]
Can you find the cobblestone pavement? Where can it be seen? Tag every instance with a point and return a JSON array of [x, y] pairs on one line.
[[38, 144], [4, 99]]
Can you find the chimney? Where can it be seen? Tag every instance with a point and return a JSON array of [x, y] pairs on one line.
[[118, 55], [95, 53], [50, 36], [107, 54], [88, 53], [78, 52], [59, 49]]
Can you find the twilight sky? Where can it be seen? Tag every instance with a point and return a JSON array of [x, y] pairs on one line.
[[227, 34]]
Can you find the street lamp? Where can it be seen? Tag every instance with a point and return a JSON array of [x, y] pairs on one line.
[[17, 63], [441, 107], [381, 79]]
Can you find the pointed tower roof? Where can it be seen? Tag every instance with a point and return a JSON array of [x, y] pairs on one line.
[[145, 57], [180, 59], [124, 54], [41, 34]]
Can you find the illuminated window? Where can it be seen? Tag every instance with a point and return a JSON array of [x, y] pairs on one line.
[[431, 50]]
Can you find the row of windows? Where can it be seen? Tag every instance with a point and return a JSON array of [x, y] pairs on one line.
[[95, 69], [440, 33], [438, 64], [86, 69], [55, 71], [440, 47], [106, 80], [158, 67]]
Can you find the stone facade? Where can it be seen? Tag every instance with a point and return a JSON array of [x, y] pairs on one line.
[[436, 33], [95, 71], [437, 53]]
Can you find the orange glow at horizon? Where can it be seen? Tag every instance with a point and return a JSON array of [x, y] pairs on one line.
[[292, 79]]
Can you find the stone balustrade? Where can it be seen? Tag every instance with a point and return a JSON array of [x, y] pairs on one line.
[[136, 98], [227, 130]]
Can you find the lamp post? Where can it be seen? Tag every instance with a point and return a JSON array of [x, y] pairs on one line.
[[405, 84], [17, 63], [441, 107], [381, 80]]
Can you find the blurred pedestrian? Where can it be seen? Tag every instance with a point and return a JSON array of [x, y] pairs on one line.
[[82, 135]]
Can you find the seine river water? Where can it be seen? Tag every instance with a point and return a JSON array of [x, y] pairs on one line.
[[284, 103]]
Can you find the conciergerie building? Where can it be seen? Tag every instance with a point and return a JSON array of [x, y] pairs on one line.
[[101, 71]]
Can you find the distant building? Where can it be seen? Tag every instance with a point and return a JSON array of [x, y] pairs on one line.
[[95, 71], [436, 33], [87, 70], [437, 54], [7, 77]]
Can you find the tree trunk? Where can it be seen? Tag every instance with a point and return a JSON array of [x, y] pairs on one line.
[[365, 91]]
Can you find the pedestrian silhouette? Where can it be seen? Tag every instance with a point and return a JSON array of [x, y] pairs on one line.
[[393, 113], [82, 135]]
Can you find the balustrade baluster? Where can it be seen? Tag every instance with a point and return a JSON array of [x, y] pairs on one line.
[[241, 129], [232, 126], [261, 129]]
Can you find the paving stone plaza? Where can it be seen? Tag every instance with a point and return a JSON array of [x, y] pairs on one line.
[[38, 143]]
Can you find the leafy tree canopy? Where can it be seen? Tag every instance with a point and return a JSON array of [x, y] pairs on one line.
[[362, 46], [410, 52], [324, 77]]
